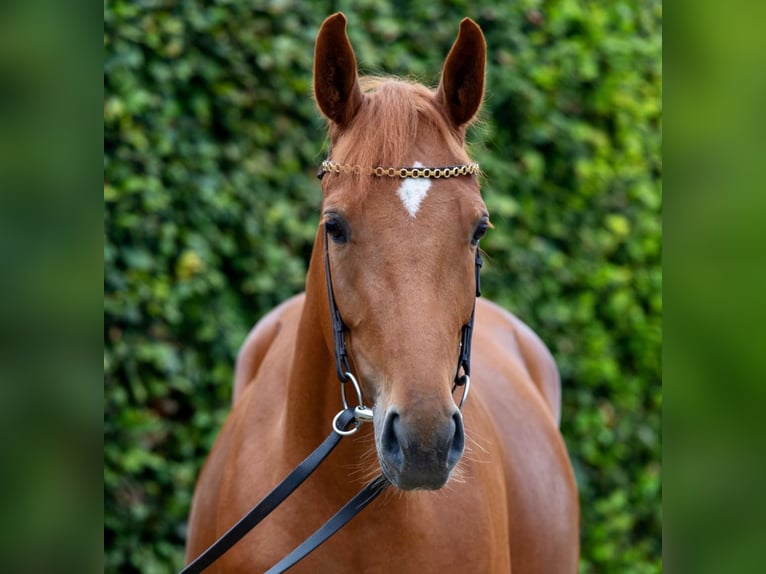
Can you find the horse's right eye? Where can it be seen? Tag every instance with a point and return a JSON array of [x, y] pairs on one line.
[[336, 229]]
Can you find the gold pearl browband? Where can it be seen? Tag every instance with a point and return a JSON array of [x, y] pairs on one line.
[[402, 172]]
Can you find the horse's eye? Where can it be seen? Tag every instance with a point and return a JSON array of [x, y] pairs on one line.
[[480, 231], [336, 229]]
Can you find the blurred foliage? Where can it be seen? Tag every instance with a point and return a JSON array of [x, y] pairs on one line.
[[211, 141]]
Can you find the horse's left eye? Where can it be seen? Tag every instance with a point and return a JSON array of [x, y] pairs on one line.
[[480, 231], [336, 228]]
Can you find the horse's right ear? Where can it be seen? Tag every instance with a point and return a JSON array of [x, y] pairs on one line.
[[336, 85]]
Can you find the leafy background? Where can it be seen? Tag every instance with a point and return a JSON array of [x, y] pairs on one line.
[[211, 141]]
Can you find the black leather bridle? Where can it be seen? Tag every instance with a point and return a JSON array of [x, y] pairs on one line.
[[343, 420], [342, 367]]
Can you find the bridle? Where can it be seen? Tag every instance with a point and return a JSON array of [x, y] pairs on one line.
[[349, 419], [342, 367]]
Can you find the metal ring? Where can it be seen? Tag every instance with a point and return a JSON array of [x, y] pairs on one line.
[[357, 388], [342, 432], [466, 388]]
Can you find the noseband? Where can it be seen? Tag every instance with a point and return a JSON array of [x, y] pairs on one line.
[[342, 366]]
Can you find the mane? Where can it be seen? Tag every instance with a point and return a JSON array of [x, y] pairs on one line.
[[388, 123]]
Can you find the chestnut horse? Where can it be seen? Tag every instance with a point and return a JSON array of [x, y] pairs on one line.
[[402, 247]]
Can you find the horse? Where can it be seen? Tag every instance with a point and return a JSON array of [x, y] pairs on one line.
[[484, 488]]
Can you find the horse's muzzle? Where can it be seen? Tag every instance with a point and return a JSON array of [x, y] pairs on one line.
[[417, 456]]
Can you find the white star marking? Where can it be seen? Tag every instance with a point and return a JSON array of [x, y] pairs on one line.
[[413, 191]]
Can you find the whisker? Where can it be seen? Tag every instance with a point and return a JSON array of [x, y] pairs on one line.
[[475, 439], [366, 466]]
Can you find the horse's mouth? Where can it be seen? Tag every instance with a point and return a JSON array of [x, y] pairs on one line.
[[415, 480]]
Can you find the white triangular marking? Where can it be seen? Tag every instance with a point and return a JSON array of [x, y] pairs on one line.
[[413, 191]]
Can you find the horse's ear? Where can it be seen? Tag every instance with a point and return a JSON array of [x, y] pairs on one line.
[[462, 85], [336, 86]]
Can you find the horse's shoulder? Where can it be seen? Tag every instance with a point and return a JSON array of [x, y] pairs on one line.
[[259, 340], [535, 355]]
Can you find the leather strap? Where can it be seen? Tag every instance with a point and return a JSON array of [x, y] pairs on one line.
[[338, 326], [271, 500], [466, 333], [338, 521]]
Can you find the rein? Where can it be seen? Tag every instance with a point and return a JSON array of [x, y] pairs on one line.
[[272, 500], [351, 417]]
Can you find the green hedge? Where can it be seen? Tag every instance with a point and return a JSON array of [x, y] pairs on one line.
[[211, 142]]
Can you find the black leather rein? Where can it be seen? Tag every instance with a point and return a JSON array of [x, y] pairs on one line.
[[280, 493]]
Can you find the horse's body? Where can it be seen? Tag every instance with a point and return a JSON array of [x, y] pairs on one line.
[[511, 502]]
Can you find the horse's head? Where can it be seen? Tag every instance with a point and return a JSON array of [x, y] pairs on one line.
[[402, 250]]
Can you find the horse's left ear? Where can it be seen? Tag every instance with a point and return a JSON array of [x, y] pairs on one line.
[[336, 85], [462, 85]]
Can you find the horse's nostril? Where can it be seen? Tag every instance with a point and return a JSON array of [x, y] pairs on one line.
[[389, 441]]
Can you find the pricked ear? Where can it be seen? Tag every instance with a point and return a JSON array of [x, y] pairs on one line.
[[336, 86], [462, 85]]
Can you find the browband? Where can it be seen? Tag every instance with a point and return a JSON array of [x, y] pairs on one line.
[[329, 166]]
